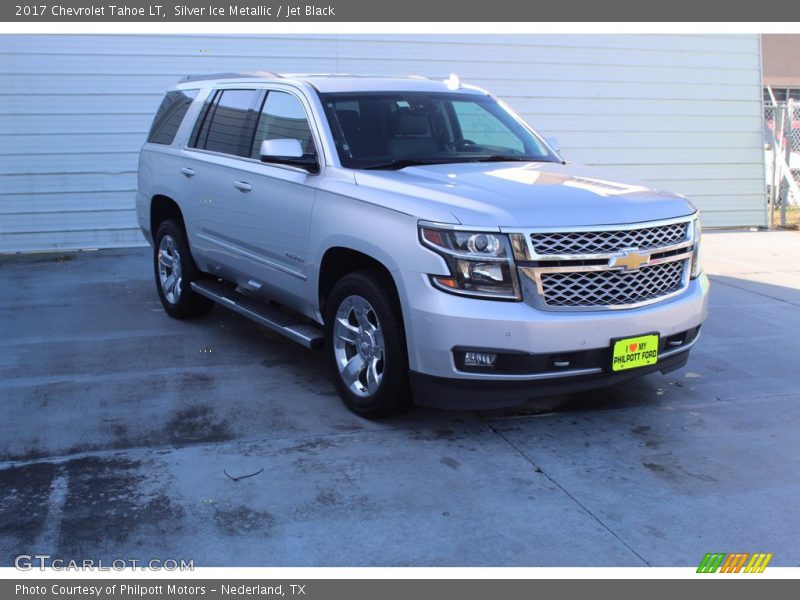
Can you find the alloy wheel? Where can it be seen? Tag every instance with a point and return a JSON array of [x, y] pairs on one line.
[[358, 346]]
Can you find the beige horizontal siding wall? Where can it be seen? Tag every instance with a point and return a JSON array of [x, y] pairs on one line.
[[682, 113]]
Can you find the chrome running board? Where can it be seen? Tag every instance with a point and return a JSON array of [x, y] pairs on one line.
[[296, 328]]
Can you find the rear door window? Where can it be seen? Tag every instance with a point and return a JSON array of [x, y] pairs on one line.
[[229, 122]]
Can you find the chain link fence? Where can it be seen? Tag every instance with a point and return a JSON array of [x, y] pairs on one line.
[[782, 136]]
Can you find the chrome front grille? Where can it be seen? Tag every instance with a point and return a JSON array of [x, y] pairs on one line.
[[598, 242], [612, 288], [605, 268]]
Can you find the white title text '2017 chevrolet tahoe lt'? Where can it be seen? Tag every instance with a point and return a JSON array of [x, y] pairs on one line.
[[427, 238]]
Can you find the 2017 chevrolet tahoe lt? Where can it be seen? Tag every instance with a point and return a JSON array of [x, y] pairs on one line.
[[425, 236]]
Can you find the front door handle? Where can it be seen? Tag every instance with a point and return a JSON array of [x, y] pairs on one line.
[[242, 186], [187, 171]]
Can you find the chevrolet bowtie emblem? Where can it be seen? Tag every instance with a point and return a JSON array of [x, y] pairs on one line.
[[630, 259]]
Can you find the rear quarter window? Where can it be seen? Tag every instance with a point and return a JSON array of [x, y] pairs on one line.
[[169, 116]]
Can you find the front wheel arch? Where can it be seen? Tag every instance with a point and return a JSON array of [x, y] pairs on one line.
[[339, 261], [392, 395]]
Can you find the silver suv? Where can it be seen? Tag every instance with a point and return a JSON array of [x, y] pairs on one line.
[[419, 231]]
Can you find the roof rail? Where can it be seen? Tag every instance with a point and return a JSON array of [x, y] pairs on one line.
[[249, 75]]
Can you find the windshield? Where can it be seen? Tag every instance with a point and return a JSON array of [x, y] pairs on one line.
[[399, 129]]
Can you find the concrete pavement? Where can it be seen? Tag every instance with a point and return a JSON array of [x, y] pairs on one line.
[[118, 425]]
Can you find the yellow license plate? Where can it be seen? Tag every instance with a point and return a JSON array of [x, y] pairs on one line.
[[635, 352]]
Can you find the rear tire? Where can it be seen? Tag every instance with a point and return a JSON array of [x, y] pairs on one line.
[[366, 346], [175, 271]]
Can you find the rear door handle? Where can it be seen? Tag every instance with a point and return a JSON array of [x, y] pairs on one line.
[[187, 171], [242, 186]]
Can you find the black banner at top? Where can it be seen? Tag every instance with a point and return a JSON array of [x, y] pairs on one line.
[[405, 11]]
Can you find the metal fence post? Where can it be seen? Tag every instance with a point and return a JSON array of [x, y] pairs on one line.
[[773, 196], [787, 154], [775, 193]]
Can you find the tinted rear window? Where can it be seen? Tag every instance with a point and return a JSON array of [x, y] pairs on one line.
[[169, 116]]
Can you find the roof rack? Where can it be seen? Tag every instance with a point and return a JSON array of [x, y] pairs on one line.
[[247, 75]]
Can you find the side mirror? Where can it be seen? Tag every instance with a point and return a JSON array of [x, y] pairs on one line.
[[287, 152], [284, 148]]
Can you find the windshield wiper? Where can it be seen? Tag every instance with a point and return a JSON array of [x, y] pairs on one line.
[[508, 158], [402, 163]]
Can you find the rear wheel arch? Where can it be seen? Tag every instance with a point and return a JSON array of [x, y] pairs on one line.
[[175, 271], [163, 208]]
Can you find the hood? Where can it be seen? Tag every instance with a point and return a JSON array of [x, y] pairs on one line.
[[521, 195]]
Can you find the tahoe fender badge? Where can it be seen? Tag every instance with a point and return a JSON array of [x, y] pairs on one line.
[[294, 256]]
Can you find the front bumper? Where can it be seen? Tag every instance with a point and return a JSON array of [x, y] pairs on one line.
[[437, 323], [451, 393]]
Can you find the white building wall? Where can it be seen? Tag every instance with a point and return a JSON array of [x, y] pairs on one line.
[[682, 113]]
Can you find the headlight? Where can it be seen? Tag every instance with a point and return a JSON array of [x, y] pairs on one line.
[[697, 267], [481, 264]]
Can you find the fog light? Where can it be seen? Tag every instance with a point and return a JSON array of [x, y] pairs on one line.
[[479, 359]]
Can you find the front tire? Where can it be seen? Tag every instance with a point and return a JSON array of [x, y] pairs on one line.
[[365, 345], [175, 271]]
